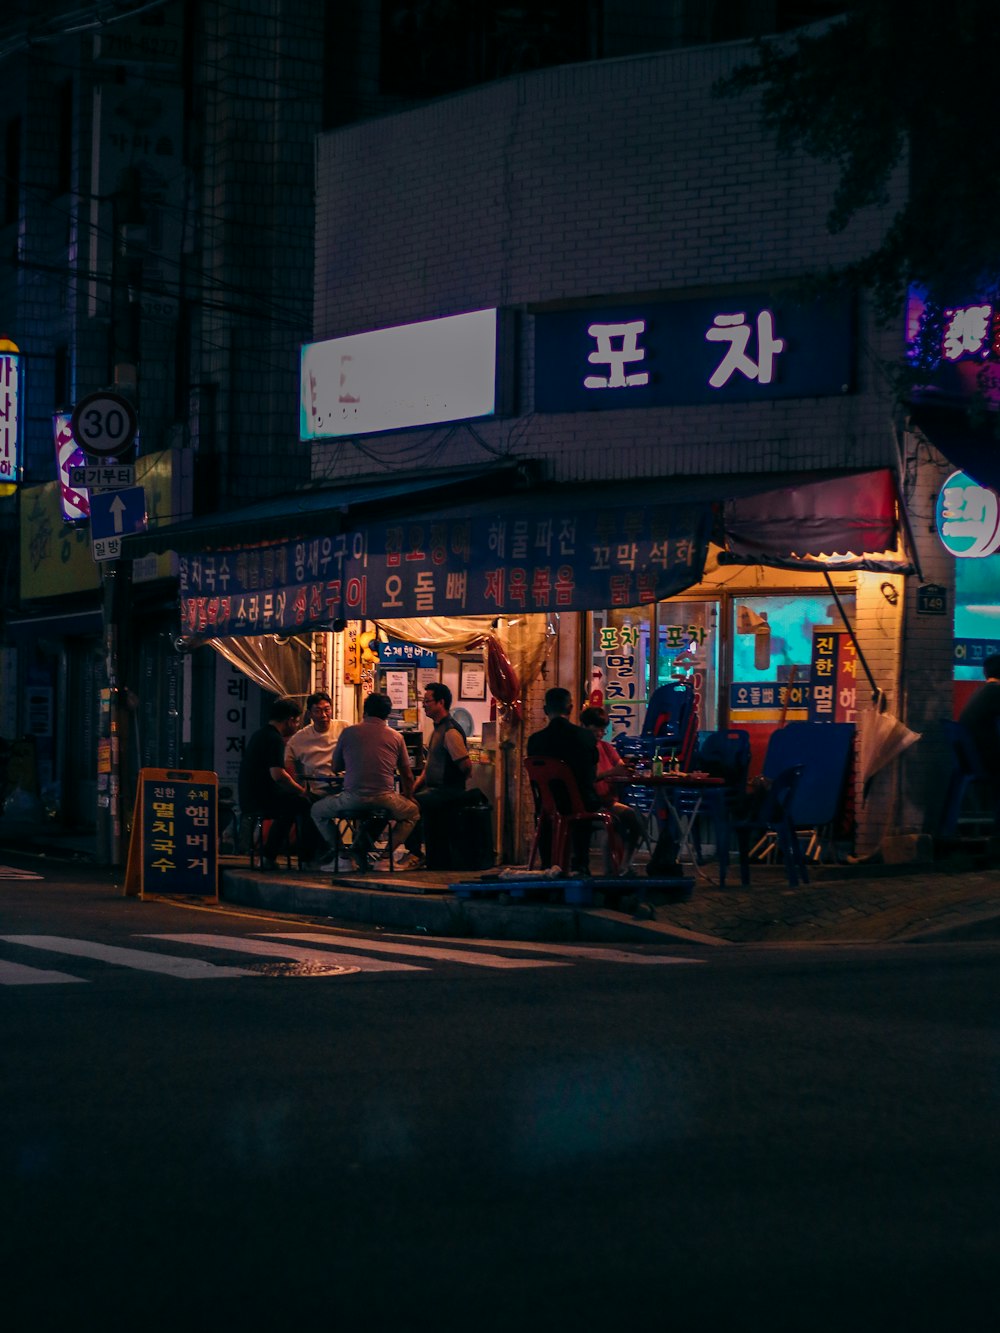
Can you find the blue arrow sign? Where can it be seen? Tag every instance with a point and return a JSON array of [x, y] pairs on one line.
[[117, 513]]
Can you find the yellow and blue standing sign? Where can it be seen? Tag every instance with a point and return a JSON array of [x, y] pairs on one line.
[[174, 847]]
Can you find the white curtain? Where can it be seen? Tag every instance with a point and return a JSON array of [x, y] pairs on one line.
[[281, 668], [524, 640]]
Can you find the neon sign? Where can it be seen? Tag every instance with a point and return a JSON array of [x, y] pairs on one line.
[[10, 416], [968, 518]]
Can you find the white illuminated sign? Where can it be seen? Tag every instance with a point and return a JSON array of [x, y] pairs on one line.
[[10, 412], [390, 379], [968, 518]]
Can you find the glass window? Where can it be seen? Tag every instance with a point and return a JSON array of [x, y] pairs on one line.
[[620, 666], [772, 646], [688, 649], [977, 615], [627, 664]]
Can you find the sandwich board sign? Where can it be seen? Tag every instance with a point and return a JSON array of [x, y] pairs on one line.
[[174, 846]]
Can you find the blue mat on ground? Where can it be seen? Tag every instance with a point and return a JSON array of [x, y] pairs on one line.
[[572, 892]]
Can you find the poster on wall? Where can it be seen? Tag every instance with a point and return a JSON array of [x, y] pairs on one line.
[[833, 695]]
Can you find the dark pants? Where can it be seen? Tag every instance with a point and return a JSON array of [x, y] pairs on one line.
[[437, 805], [284, 810]]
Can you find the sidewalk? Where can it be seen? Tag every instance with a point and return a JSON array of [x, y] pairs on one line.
[[957, 899], [953, 899]]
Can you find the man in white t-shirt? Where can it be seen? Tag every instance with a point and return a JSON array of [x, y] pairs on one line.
[[309, 753]]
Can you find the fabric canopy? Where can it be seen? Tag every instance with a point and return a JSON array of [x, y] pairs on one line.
[[849, 522], [975, 449]]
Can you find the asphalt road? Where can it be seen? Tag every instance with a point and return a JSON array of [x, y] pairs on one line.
[[401, 1133]]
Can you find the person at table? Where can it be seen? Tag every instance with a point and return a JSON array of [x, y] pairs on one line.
[[371, 757], [577, 748], [440, 788], [981, 718], [267, 788], [309, 751], [610, 764]]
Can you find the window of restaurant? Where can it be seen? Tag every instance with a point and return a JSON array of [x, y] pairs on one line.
[[629, 661], [977, 615], [771, 640], [748, 655]]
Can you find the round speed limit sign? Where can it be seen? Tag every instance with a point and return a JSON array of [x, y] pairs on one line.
[[104, 424]]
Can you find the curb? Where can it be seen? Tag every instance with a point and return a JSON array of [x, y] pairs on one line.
[[445, 915]]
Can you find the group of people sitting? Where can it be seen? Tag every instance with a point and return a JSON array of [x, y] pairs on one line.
[[307, 778], [595, 764]]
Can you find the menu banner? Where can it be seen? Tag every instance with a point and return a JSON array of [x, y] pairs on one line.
[[565, 558]]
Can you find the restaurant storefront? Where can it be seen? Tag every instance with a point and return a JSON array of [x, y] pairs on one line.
[[618, 592]]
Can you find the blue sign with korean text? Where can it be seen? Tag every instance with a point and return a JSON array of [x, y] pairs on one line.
[[395, 653], [543, 558], [750, 347], [751, 695], [974, 652], [174, 843]]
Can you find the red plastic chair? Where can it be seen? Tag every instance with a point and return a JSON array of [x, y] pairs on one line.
[[560, 807]]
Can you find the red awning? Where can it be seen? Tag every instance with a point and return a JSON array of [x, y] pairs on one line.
[[848, 522]]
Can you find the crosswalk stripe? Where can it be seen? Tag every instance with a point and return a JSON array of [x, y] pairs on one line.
[[187, 969], [596, 953], [18, 974], [419, 951], [315, 957]]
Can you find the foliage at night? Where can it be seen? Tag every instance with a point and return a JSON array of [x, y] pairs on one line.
[[898, 85]]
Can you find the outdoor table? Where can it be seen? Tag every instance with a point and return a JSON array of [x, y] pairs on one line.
[[683, 814]]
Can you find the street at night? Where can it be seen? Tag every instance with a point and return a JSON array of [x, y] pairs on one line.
[[223, 1117]]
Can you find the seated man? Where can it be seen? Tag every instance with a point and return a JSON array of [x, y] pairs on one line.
[[981, 719], [267, 788], [577, 747], [371, 756], [441, 785], [309, 751]]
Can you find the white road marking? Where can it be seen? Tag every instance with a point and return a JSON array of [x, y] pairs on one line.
[[588, 953], [17, 974], [314, 957], [187, 969], [9, 872], [418, 951]]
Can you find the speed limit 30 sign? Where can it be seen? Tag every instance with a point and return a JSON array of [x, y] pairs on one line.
[[104, 424]]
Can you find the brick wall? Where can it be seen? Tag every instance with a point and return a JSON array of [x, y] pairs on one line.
[[627, 178]]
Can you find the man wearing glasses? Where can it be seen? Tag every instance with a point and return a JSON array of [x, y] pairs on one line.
[[441, 785], [309, 753]]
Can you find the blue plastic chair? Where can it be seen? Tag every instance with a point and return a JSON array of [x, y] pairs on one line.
[[968, 779], [774, 817]]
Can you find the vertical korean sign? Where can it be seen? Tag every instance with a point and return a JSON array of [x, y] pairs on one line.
[[833, 696], [10, 416], [174, 842]]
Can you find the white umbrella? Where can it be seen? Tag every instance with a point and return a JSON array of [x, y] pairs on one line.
[[882, 739]]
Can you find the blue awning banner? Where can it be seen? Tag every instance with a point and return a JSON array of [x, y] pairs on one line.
[[538, 553]]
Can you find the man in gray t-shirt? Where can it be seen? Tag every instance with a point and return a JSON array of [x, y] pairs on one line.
[[371, 756]]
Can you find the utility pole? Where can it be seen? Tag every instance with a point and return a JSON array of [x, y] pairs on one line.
[[126, 278]]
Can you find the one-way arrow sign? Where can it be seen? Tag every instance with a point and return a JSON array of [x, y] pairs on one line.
[[113, 515]]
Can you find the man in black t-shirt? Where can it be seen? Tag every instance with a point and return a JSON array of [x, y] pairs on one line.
[[267, 788], [577, 748]]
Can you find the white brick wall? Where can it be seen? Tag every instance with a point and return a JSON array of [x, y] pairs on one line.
[[618, 178], [627, 178]]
